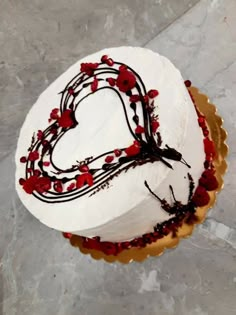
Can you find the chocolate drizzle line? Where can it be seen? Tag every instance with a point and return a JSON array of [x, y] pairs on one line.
[[150, 148]]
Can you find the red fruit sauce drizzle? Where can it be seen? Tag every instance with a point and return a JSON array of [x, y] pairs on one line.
[[50, 184]]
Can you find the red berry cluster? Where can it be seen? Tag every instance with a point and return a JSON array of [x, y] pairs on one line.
[[208, 181]]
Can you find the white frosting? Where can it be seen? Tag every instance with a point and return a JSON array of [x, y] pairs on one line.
[[126, 209]]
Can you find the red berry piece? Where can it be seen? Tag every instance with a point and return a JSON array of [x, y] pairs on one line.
[[134, 149], [71, 187], [54, 113], [155, 124], [111, 81], [153, 93], [208, 180], [58, 186], [37, 173], [66, 121], [209, 146], [206, 133], [187, 83], [139, 129], [200, 197], [134, 98], [46, 163], [84, 168], [67, 234], [108, 248], [29, 170], [40, 135], [42, 185], [109, 62], [109, 159], [126, 81], [94, 85], [83, 179], [122, 67], [117, 152], [23, 159], [104, 58], [33, 156], [21, 181], [201, 121]]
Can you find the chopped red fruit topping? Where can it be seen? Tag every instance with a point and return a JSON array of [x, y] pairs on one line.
[[28, 170], [29, 184], [71, 91], [209, 146], [206, 132], [66, 121], [46, 163], [139, 129], [109, 62], [111, 81], [117, 152], [94, 85], [109, 159], [71, 187], [155, 124], [88, 68], [134, 98], [58, 186], [84, 168], [201, 121], [125, 81], [37, 173], [33, 156], [134, 149], [91, 243], [54, 113], [104, 58], [125, 245], [23, 159], [187, 83], [145, 99], [42, 184], [122, 67], [40, 135], [108, 248], [200, 197], [67, 234], [21, 181], [208, 180], [83, 179], [153, 93]]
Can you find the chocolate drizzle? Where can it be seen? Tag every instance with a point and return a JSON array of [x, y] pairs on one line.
[[71, 98]]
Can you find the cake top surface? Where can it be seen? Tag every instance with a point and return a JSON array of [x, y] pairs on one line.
[[99, 131]]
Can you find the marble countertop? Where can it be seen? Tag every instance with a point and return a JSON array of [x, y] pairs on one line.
[[39, 272]]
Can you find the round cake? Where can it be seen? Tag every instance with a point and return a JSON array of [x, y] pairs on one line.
[[113, 149]]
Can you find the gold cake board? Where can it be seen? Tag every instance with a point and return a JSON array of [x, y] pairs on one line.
[[218, 135]]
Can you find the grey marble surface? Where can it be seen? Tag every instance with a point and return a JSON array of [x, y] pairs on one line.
[[39, 272]]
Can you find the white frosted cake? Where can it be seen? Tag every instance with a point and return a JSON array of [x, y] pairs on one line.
[[113, 149]]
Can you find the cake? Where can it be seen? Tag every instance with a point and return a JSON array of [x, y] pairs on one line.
[[115, 151]]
